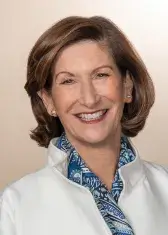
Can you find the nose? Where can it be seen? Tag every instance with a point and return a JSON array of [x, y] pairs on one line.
[[88, 95]]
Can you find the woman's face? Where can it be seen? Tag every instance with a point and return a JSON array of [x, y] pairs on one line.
[[88, 93]]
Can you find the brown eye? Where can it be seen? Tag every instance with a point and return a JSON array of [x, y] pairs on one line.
[[68, 82], [102, 75]]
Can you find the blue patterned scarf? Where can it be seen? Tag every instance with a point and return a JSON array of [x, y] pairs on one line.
[[106, 201]]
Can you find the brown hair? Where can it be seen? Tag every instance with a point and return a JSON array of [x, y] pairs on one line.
[[66, 32]]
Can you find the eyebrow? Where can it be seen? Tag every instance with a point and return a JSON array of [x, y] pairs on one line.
[[62, 72], [101, 67], [93, 71]]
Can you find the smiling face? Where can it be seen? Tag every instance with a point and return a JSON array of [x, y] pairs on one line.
[[88, 93]]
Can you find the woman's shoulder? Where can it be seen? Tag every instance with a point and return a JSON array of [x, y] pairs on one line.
[[28, 194], [155, 169], [28, 185]]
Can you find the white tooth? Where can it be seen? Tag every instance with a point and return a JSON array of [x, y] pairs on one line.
[[99, 114], [85, 116], [93, 116], [89, 116]]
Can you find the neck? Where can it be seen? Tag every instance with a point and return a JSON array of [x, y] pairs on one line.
[[101, 159]]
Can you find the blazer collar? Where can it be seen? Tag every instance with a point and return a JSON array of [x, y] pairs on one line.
[[130, 173]]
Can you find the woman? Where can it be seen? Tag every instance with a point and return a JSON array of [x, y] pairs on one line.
[[89, 93]]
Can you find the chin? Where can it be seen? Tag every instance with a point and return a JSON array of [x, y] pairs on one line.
[[94, 138]]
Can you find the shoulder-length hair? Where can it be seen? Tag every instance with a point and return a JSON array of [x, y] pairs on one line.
[[68, 31]]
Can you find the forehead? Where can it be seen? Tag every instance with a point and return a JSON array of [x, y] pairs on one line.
[[84, 55]]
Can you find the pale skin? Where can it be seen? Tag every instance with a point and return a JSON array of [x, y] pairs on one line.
[[86, 80]]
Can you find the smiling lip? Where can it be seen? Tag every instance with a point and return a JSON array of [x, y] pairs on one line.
[[90, 112], [92, 117]]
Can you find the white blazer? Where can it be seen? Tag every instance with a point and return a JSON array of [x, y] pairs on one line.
[[47, 203]]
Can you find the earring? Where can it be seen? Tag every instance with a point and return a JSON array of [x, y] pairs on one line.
[[128, 96], [53, 113]]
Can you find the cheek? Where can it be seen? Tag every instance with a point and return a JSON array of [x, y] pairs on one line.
[[113, 90], [63, 101]]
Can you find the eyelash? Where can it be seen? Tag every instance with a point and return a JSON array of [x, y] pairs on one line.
[[101, 75], [66, 82], [71, 81]]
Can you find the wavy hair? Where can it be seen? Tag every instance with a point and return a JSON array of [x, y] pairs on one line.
[[68, 31]]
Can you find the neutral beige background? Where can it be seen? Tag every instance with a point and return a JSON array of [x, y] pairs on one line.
[[21, 21]]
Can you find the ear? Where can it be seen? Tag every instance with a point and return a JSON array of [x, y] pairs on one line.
[[47, 101], [128, 88]]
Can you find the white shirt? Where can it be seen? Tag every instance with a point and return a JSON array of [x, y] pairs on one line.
[[47, 203]]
